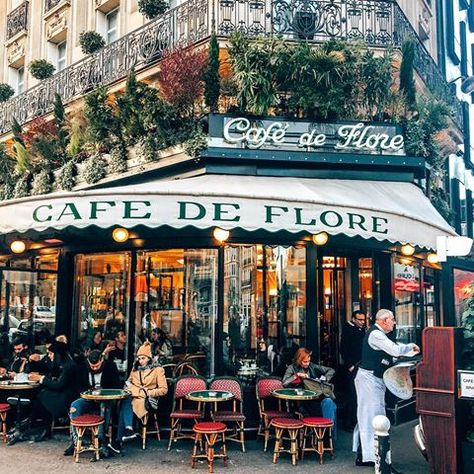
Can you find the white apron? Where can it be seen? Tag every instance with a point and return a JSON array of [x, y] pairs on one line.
[[370, 402]]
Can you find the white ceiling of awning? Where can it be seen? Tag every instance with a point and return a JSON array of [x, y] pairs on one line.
[[393, 211]]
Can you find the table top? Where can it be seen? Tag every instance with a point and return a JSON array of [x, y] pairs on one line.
[[12, 385], [103, 394], [295, 394], [210, 396]]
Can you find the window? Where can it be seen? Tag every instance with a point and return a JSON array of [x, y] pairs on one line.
[[61, 61], [20, 81], [111, 21], [463, 280]]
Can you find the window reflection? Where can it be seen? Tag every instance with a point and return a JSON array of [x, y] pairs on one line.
[[264, 308], [176, 293]]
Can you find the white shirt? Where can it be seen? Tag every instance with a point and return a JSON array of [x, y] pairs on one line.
[[379, 341]]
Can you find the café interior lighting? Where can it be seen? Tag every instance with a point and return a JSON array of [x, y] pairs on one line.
[[18, 246], [407, 249], [120, 235], [320, 238], [432, 258], [220, 235]]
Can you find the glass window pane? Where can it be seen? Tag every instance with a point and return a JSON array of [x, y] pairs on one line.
[[102, 301], [176, 292], [365, 286], [29, 299], [463, 281], [112, 26], [407, 299], [47, 262], [264, 308]]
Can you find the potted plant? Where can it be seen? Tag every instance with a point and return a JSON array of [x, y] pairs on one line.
[[152, 8], [6, 91], [91, 41], [41, 69], [467, 322]]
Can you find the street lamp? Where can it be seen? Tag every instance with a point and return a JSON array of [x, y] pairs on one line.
[[467, 84], [458, 246]]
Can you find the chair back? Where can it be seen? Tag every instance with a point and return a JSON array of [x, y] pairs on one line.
[[264, 388], [229, 384], [188, 383]]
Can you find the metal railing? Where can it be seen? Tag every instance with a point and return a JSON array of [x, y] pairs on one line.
[[17, 20], [378, 23], [50, 4]]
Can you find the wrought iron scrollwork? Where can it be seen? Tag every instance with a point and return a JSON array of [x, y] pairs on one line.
[[17, 20]]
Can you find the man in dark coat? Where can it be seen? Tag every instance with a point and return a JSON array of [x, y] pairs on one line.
[[19, 361], [95, 373], [58, 389], [352, 337]]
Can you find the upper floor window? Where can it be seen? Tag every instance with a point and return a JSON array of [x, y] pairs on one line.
[[16, 3], [20, 80], [111, 23], [61, 62]]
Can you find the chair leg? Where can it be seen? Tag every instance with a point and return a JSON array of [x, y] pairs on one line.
[[195, 448], [78, 447], [276, 450], [293, 435], [267, 436], [224, 449], [144, 436], [95, 441], [242, 436], [4, 426], [157, 427], [174, 423]]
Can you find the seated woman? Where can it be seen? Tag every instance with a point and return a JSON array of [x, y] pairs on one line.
[[58, 390], [145, 380], [302, 368]]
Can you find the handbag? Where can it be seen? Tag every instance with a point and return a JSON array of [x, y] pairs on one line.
[[323, 389], [151, 403]]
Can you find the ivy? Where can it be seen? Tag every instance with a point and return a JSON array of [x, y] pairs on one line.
[[146, 148], [197, 142], [21, 188]]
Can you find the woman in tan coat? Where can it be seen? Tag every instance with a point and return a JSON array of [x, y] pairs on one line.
[[145, 380]]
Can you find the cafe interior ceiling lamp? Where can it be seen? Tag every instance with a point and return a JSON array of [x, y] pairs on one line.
[[432, 258], [120, 235], [320, 238], [221, 235], [18, 246], [407, 249]]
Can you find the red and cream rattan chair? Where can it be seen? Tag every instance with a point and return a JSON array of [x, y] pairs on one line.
[[184, 385], [4, 409], [209, 431], [264, 388], [82, 423], [236, 415], [319, 430], [292, 427]]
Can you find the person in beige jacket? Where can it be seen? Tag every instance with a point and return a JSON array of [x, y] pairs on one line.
[[145, 380]]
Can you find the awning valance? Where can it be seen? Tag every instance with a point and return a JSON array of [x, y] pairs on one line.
[[392, 211]]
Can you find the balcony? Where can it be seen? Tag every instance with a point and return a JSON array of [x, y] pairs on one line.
[[17, 21], [379, 23], [50, 4]]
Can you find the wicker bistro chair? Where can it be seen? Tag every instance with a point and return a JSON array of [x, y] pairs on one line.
[[184, 385], [209, 432], [264, 388], [235, 416], [319, 430], [4, 409], [82, 423], [144, 427], [292, 427]]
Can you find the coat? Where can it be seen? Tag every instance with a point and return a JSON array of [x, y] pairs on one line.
[[314, 371], [142, 383], [59, 389], [351, 344], [110, 376]]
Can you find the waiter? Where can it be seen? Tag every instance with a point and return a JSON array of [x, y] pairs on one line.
[[377, 356]]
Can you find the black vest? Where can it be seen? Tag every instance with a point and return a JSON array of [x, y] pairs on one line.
[[374, 360]]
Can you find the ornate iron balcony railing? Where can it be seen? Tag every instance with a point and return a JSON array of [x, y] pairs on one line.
[[379, 23], [17, 20], [50, 4]]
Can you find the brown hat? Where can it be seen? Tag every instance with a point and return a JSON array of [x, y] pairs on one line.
[[145, 350]]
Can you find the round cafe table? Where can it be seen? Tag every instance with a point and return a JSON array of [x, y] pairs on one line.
[[210, 396], [104, 396], [290, 394], [18, 389]]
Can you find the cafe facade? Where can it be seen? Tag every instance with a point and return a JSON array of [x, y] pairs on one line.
[[268, 240]]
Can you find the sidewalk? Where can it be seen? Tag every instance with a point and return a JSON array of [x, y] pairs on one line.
[[47, 457]]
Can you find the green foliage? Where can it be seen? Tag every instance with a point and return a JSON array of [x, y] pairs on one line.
[[94, 168], [118, 159], [211, 76], [78, 134], [22, 158], [146, 148], [91, 42], [41, 183], [197, 142], [407, 82], [66, 178], [16, 130], [61, 124], [41, 69], [253, 65], [6, 91], [440, 202], [152, 8], [100, 116], [21, 188], [7, 165], [7, 190]]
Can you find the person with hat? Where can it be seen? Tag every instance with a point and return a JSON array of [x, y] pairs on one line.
[[378, 351], [58, 389], [145, 381], [96, 372]]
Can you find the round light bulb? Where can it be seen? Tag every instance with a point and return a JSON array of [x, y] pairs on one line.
[[432, 258], [120, 234], [320, 238], [407, 249], [18, 246], [220, 234]]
